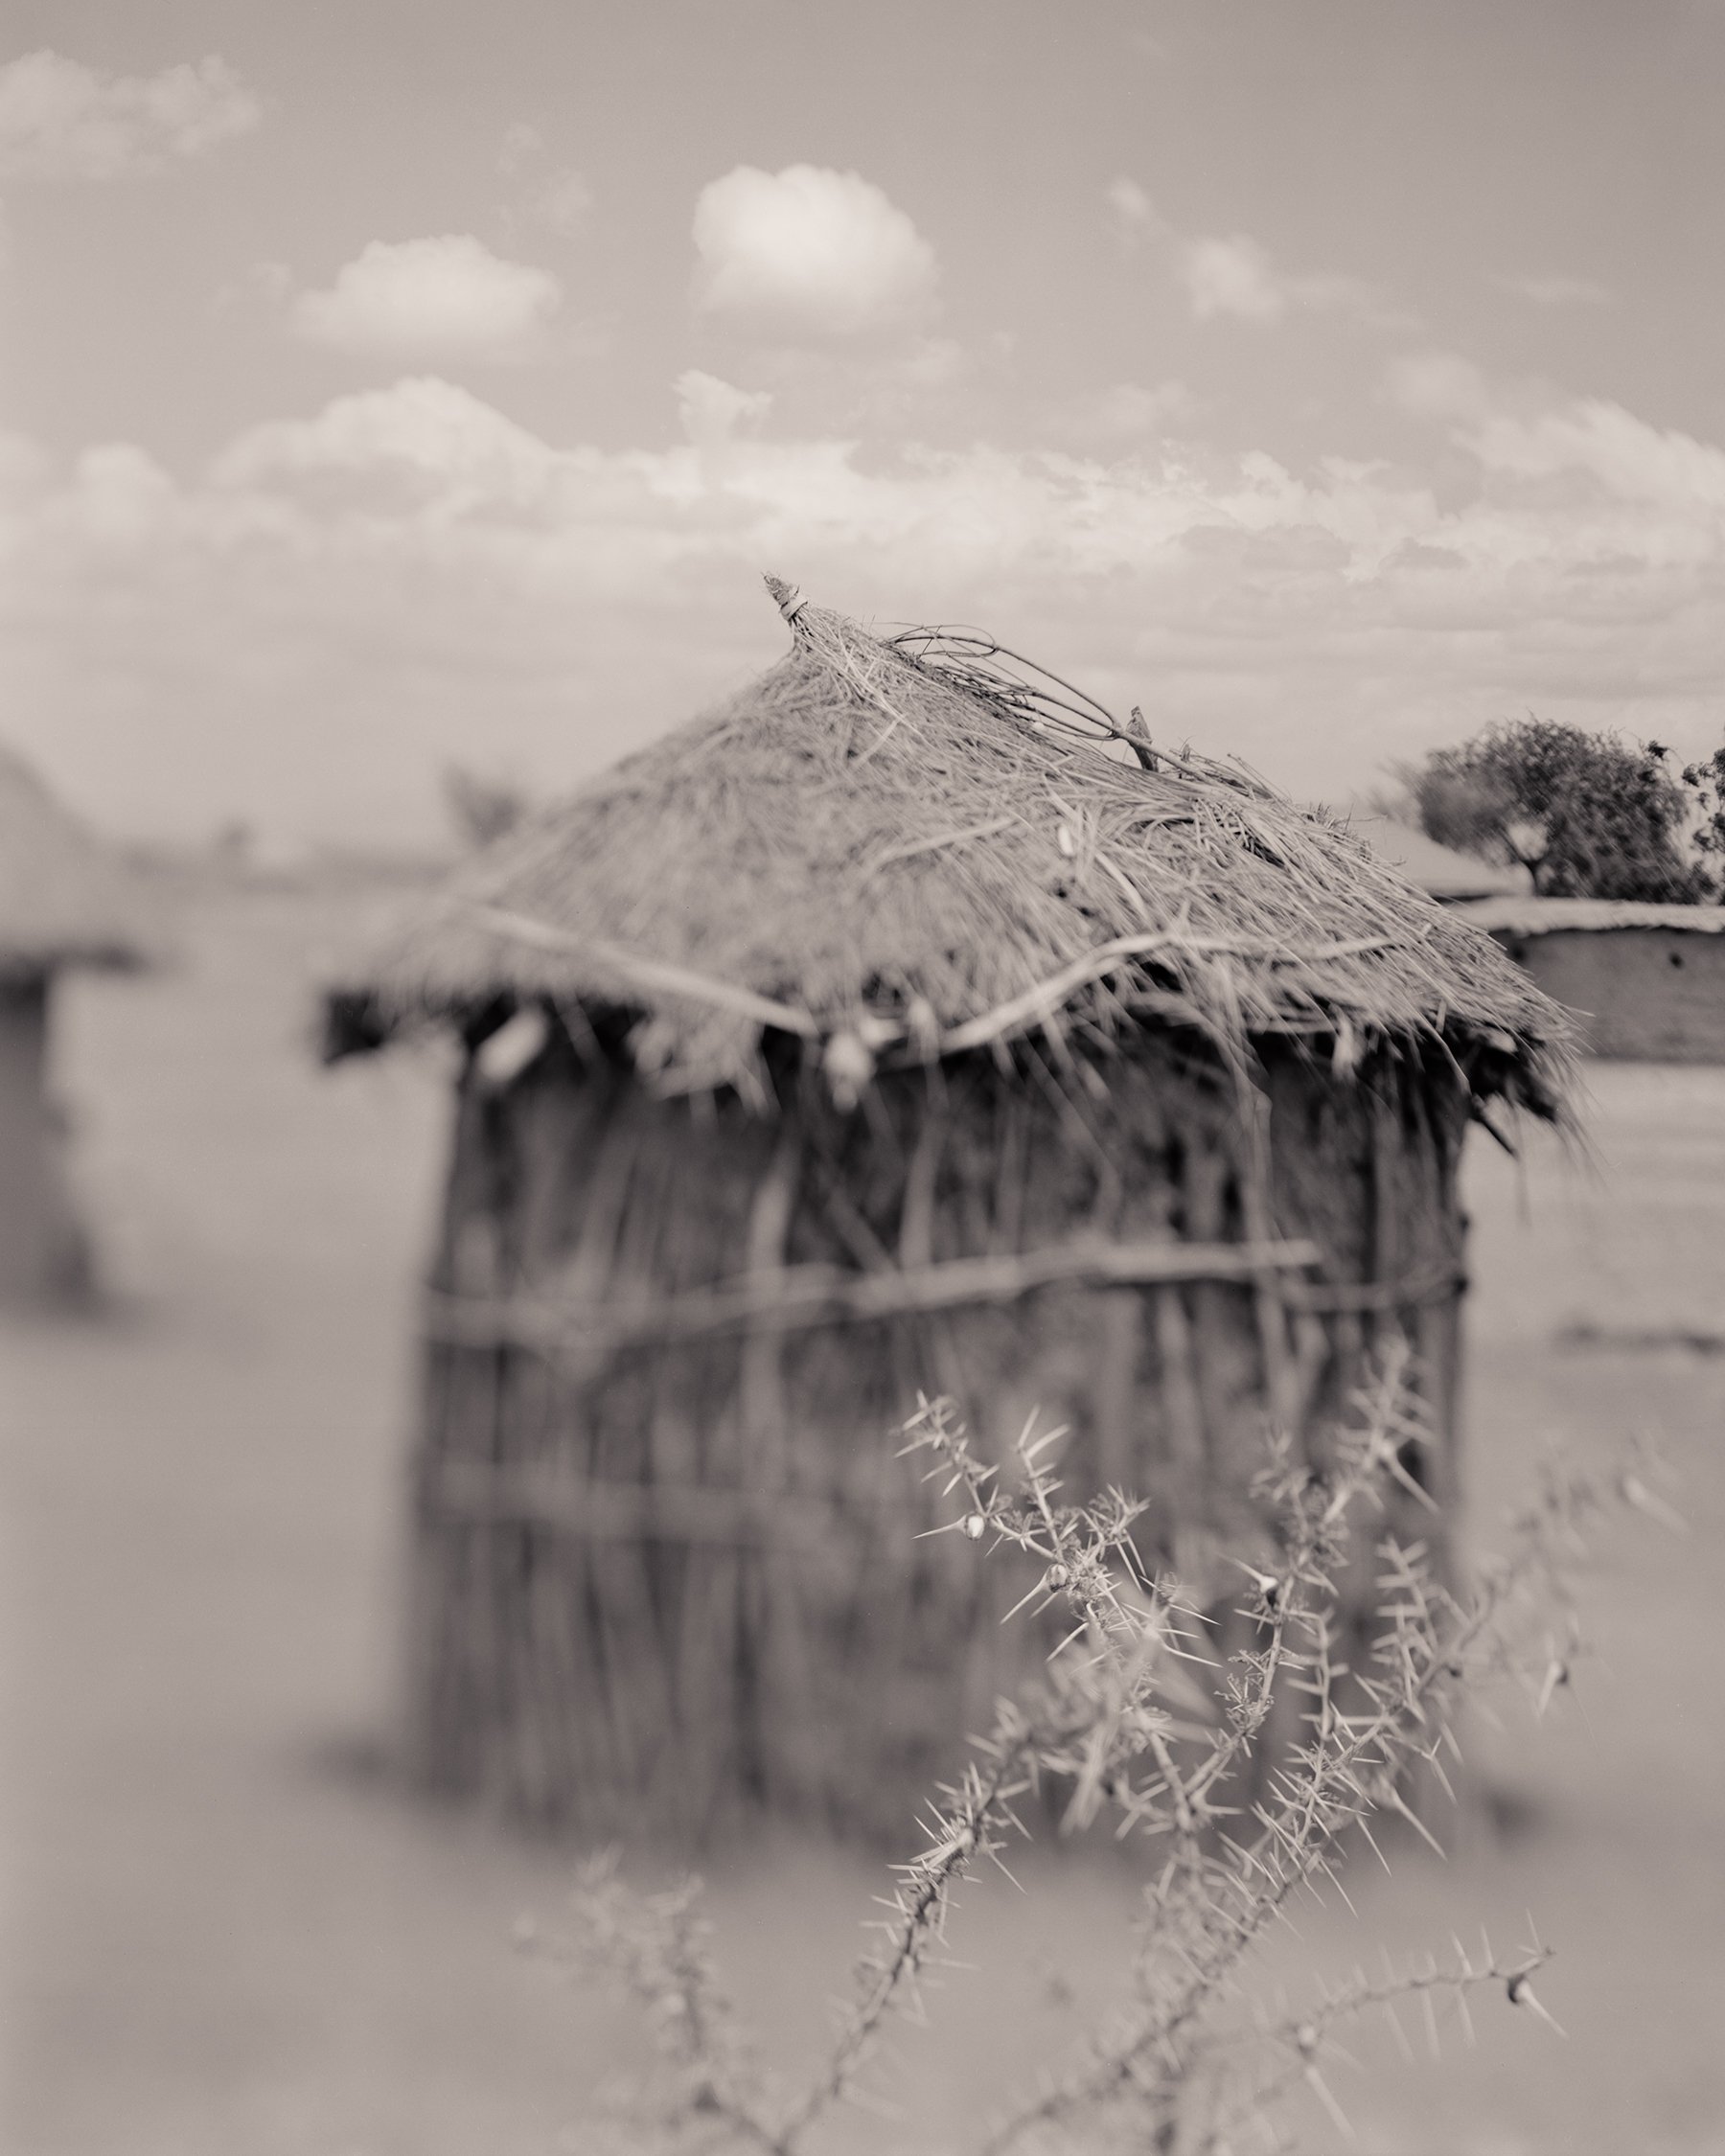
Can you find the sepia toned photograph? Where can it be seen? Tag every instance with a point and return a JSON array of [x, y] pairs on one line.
[[861, 1078]]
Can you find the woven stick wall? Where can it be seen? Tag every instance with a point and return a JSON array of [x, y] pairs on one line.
[[666, 1567]]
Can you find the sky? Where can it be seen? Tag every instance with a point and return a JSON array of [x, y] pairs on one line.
[[394, 383]]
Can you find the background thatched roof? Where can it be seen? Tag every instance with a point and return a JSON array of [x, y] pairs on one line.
[[63, 898], [1440, 871], [1528, 916], [904, 845]]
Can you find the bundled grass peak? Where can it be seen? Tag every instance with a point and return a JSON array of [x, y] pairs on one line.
[[63, 899], [916, 844]]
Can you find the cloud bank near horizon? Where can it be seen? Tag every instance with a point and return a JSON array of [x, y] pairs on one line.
[[341, 603]]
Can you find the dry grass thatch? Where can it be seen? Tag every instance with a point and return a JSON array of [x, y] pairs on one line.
[[916, 844], [63, 900]]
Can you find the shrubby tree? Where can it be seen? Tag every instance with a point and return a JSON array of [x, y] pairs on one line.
[[1705, 784], [1588, 816]]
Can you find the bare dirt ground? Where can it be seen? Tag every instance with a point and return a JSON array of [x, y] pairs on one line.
[[227, 1935]]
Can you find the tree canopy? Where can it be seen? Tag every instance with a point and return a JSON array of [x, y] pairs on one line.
[[1588, 816]]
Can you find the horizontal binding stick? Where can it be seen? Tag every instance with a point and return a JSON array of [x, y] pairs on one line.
[[1410, 1293], [632, 1512], [793, 1298], [650, 972]]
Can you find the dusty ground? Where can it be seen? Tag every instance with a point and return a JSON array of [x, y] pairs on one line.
[[226, 1936]]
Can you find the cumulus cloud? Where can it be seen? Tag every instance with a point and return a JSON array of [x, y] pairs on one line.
[[446, 295], [423, 434], [1232, 277], [359, 593], [547, 193], [61, 120], [1437, 385], [1135, 215], [563, 199], [711, 410], [1236, 276], [1596, 454], [1554, 289], [1128, 411], [808, 251], [1629, 460], [124, 495], [934, 363]]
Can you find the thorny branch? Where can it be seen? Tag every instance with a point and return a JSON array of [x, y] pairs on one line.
[[1138, 1720], [655, 1946], [1291, 2049]]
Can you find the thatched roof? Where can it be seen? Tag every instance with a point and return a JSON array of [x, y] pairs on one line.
[[63, 898], [904, 846]]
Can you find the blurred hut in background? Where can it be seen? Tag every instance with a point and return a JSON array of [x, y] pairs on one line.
[[905, 1024], [1440, 871], [64, 901], [1645, 982]]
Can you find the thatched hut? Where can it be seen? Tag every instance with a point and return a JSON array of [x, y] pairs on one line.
[[63, 902], [905, 1023]]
